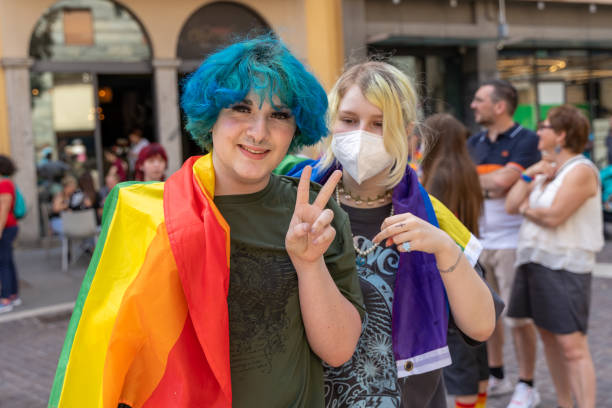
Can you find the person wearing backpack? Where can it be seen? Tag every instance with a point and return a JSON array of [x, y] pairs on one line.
[[8, 232]]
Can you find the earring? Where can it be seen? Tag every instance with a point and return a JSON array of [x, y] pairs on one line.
[[557, 149]]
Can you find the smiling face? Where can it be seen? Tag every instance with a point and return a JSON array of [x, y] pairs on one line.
[[249, 141], [357, 113]]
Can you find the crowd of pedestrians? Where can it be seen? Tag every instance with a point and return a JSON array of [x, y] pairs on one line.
[[75, 187]]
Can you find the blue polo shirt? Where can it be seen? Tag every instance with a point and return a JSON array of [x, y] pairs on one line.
[[517, 147]]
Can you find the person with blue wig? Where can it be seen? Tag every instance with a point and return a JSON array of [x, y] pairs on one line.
[[294, 298], [257, 280]]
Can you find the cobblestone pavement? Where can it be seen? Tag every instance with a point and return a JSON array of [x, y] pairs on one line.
[[30, 348], [600, 341], [29, 352]]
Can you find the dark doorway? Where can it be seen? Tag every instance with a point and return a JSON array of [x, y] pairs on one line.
[[190, 147], [440, 74], [125, 102]]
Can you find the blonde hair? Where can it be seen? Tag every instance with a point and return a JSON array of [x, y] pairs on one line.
[[390, 90]]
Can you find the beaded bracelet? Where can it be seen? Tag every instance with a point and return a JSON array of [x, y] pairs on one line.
[[452, 268], [525, 177]]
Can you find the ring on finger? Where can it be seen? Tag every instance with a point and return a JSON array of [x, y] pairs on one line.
[[406, 246]]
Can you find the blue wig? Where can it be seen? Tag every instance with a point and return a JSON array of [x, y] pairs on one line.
[[265, 66]]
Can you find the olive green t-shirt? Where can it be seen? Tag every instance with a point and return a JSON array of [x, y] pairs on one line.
[[272, 364]]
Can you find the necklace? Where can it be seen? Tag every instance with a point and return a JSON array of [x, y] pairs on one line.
[[363, 254], [381, 198]]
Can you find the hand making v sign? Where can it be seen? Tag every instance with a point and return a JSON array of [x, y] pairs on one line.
[[310, 232]]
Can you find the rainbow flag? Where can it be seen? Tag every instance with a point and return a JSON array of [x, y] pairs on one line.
[[450, 224], [150, 325]]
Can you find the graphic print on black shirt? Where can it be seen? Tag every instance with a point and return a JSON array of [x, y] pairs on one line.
[[261, 284], [369, 379]]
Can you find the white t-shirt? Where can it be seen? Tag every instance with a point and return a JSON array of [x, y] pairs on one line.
[[498, 229]]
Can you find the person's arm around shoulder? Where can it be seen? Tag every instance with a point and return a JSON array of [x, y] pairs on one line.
[[578, 185], [470, 300], [332, 323]]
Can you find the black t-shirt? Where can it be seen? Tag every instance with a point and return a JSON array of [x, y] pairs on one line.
[[369, 379]]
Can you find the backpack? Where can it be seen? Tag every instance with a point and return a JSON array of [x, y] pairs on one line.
[[19, 208]]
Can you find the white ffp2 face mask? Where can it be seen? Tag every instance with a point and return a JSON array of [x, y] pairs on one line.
[[362, 154]]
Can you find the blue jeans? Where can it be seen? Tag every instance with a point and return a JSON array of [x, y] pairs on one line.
[[8, 273]]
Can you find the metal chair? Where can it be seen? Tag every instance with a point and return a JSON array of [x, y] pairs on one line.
[[78, 226]]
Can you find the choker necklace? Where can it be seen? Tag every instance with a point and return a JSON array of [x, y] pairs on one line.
[[381, 198], [363, 254]]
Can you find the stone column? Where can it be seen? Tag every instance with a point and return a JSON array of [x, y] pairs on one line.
[[354, 31], [485, 14], [167, 111], [17, 85], [324, 36], [487, 61]]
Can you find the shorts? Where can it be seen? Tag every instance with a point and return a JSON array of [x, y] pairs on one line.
[[469, 366], [423, 390], [556, 299], [498, 265]]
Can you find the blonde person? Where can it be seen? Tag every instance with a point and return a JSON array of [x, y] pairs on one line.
[[560, 198], [405, 263]]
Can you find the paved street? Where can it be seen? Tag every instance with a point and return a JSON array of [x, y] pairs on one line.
[[30, 346], [600, 335]]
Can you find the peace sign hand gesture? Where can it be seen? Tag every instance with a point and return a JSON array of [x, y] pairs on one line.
[[310, 232]]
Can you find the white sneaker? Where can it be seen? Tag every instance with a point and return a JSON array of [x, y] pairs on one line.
[[499, 386], [5, 307], [524, 397]]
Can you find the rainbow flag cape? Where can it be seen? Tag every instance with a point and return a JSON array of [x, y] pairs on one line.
[[150, 325]]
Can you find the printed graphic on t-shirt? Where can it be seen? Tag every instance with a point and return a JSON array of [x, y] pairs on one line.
[[369, 379], [261, 284]]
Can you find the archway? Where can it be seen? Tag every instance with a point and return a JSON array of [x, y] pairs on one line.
[[91, 82], [209, 28]]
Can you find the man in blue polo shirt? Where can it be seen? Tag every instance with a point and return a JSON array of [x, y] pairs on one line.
[[501, 152]]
